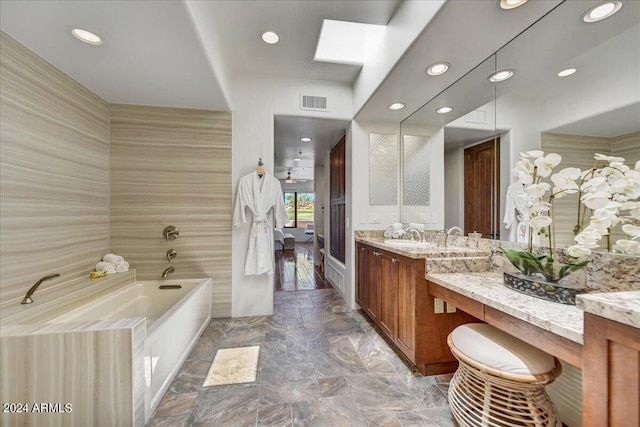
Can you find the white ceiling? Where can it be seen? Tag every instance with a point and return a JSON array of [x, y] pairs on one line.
[[151, 54], [178, 52]]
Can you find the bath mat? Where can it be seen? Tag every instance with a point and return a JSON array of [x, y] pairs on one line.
[[233, 366]]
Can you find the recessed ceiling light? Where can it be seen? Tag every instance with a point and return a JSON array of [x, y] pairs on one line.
[[601, 11], [511, 4], [297, 159], [567, 72], [305, 139], [501, 76], [270, 37], [444, 110], [396, 106], [86, 36], [438, 68]]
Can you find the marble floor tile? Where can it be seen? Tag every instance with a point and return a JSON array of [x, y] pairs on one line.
[[176, 404], [273, 353], [231, 405], [329, 412], [275, 415], [320, 364]]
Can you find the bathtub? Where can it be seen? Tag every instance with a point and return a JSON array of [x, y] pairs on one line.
[[155, 331]]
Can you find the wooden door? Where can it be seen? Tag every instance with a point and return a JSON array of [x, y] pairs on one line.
[[373, 285], [406, 324], [337, 190], [482, 189], [361, 276], [388, 292]]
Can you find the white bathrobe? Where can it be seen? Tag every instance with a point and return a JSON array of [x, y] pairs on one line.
[[260, 195], [516, 213]]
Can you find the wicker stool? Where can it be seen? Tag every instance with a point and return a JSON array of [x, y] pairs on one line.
[[500, 380]]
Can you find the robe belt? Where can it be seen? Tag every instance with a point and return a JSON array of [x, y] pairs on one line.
[[259, 226]]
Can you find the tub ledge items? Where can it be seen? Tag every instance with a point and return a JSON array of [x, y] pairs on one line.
[[118, 262], [106, 266]]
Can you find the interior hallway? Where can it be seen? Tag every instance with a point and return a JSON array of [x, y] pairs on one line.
[[295, 270], [321, 364]]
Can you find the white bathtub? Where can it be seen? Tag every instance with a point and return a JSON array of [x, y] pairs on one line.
[[173, 319]]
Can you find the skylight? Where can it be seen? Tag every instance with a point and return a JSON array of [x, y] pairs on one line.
[[344, 42]]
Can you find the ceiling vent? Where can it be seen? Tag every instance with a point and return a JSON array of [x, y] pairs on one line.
[[315, 103]]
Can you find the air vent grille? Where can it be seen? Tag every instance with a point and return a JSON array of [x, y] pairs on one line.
[[316, 103]]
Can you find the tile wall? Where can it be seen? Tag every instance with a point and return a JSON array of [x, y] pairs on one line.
[[54, 167]]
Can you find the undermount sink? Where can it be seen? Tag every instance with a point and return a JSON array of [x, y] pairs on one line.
[[409, 244]]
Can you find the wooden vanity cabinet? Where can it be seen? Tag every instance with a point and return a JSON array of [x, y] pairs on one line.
[[392, 291], [611, 373]]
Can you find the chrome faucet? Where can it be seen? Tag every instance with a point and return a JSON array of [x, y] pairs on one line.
[[27, 298], [167, 272], [414, 231], [450, 231]]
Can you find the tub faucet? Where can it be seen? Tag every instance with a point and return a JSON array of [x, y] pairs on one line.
[[451, 231], [167, 272], [27, 298]]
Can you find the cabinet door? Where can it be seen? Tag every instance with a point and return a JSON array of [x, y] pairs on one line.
[[406, 324], [373, 284], [361, 276], [388, 291]]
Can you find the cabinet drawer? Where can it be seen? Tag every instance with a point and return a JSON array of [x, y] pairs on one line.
[[472, 307]]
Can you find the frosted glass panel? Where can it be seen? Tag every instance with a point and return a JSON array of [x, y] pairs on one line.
[[383, 169], [416, 171]]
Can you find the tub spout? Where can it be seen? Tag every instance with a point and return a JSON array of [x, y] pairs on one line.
[[167, 272], [27, 298]]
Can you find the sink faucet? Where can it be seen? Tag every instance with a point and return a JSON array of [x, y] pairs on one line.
[[167, 272], [414, 231], [27, 298], [451, 231]]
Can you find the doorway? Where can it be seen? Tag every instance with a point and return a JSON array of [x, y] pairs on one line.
[[482, 189]]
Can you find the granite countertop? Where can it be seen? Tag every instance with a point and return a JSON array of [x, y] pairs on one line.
[[488, 288], [623, 307], [426, 252]]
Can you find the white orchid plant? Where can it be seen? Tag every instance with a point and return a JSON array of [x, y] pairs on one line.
[[608, 195]]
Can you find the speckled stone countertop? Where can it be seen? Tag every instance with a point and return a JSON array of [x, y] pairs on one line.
[[423, 252], [623, 307], [489, 289]]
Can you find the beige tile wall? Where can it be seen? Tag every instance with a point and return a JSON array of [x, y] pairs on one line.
[[576, 151], [173, 167], [54, 167], [627, 146]]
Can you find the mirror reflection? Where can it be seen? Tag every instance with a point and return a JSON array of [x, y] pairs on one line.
[[547, 105], [595, 109]]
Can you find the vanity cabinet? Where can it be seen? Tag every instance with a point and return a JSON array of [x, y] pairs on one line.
[[611, 367], [392, 291]]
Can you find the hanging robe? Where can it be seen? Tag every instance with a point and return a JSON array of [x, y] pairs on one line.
[[261, 196], [516, 213]]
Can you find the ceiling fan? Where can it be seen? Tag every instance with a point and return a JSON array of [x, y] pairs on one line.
[[289, 179]]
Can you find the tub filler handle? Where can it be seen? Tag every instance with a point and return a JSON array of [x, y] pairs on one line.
[[27, 298]]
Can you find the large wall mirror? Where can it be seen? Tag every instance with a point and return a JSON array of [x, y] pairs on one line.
[[596, 109], [461, 117]]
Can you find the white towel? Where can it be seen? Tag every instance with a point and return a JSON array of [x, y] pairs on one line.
[[122, 267], [106, 266], [417, 226], [113, 259], [396, 226]]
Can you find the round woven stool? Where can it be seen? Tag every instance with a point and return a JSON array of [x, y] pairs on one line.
[[500, 380]]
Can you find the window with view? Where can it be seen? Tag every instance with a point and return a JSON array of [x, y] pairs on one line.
[[299, 208]]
